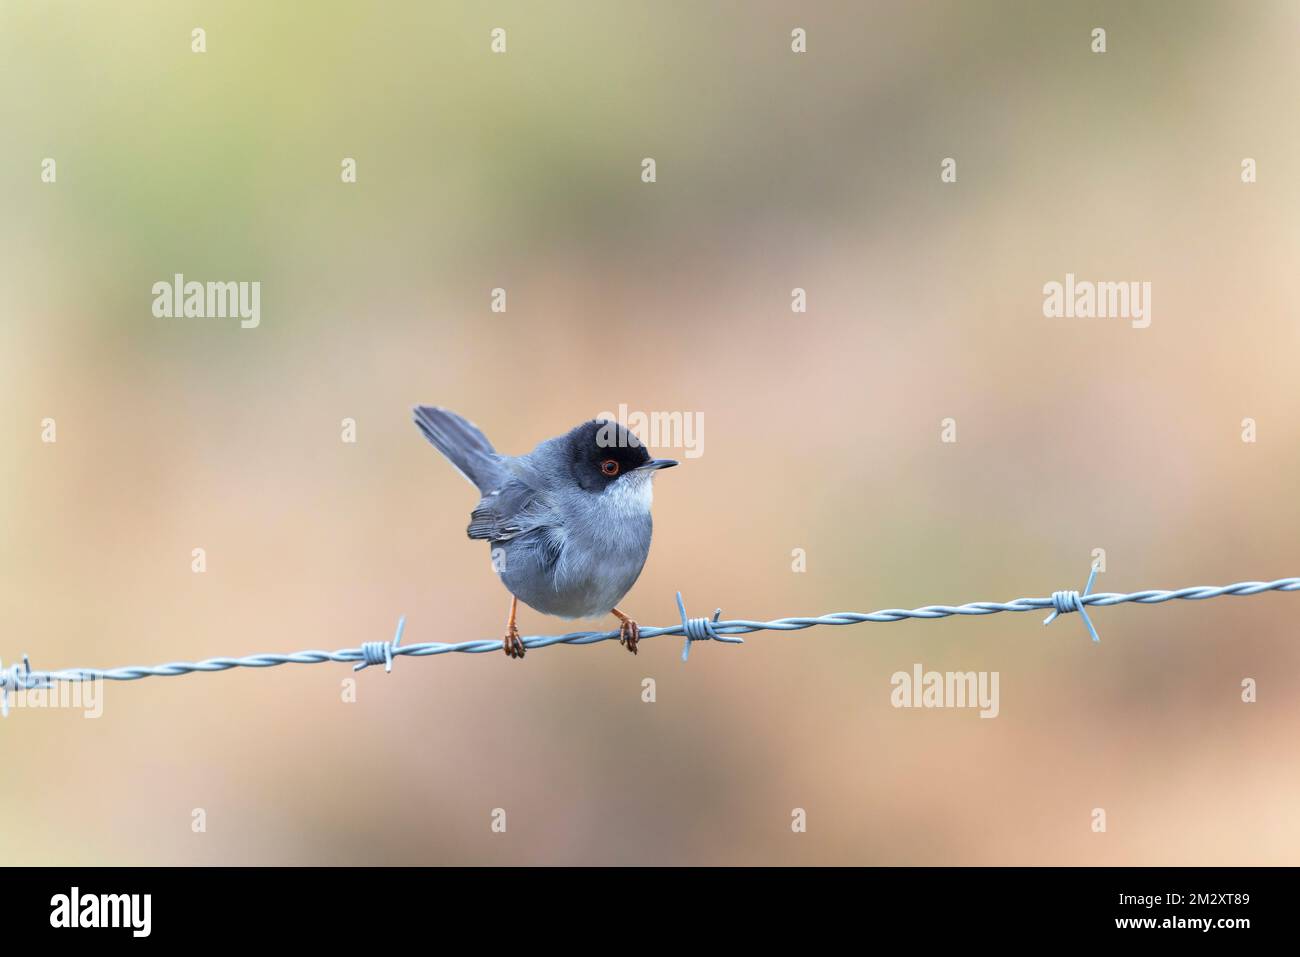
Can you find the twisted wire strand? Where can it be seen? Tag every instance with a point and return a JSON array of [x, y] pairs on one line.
[[23, 677]]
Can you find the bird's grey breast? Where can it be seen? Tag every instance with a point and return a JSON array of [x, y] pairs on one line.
[[586, 553]]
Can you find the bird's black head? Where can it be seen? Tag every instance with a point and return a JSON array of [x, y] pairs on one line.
[[604, 452]]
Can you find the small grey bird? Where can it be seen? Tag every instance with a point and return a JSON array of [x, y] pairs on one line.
[[568, 524]]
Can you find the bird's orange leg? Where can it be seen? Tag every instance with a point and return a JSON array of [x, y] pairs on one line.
[[511, 644], [628, 630]]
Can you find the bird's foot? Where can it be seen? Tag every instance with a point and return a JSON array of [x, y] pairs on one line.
[[512, 644], [629, 632]]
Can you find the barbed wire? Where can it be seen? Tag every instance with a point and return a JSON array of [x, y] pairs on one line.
[[23, 677]]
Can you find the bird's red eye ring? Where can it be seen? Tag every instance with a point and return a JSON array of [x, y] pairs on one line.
[[609, 467]]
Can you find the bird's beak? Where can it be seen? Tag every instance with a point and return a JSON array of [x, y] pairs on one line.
[[657, 464]]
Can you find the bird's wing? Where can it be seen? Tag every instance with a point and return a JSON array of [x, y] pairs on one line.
[[514, 510]]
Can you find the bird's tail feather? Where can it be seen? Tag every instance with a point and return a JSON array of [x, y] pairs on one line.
[[463, 444]]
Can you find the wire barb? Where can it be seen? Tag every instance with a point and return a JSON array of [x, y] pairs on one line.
[[381, 652], [1064, 602], [701, 629], [19, 678]]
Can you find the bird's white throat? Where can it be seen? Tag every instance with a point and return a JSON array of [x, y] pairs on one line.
[[631, 496]]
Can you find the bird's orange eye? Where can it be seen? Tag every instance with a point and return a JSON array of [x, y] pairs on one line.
[[609, 467]]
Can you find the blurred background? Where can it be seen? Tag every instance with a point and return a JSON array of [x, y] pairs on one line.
[[775, 170]]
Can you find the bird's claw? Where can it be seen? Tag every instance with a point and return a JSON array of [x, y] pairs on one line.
[[629, 632], [512, 644]]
